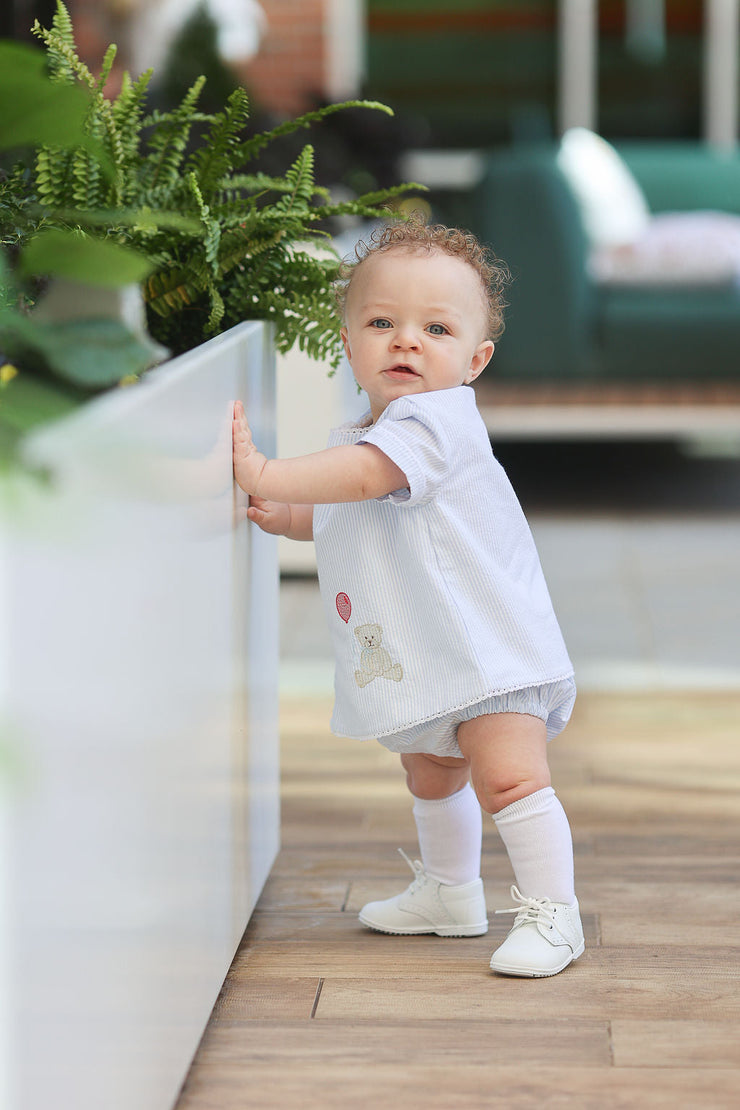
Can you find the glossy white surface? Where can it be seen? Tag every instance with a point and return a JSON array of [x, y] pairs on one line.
[[142, 627]]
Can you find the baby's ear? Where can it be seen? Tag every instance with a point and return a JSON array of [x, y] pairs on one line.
[[481, 358]]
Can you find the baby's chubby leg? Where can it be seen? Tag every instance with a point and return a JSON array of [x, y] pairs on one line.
[[507, 753], [447, 815], [508, 760], [446, 896]]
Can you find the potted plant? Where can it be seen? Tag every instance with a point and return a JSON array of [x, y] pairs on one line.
[[172, 193], [138, 641]]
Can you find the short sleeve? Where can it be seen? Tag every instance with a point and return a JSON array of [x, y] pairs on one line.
[[414, 440]]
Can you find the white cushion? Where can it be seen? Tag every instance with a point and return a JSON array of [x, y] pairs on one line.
[[613, 206], [678, 248]]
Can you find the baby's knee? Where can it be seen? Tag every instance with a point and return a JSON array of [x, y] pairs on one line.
[[497, 790], [430, 777]]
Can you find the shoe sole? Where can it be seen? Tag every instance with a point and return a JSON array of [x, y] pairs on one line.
[[422, 930], [537, 973]]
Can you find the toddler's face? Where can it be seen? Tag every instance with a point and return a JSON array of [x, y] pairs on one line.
[[414, 323]]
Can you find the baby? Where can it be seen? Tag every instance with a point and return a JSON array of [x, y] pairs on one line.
[[447, 648]]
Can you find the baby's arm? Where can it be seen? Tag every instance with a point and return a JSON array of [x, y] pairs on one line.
[[352, 473]]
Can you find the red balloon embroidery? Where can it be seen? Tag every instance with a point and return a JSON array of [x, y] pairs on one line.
[[344, 607]]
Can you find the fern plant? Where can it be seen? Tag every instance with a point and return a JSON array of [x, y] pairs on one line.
[[247, 246]]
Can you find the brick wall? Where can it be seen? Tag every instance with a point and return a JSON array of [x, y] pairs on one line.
[[94, 30], [288, 74]]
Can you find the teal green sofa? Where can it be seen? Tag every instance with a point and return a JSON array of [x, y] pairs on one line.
[[564, 325]]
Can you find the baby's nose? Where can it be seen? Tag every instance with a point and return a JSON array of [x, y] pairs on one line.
[[407, 339]]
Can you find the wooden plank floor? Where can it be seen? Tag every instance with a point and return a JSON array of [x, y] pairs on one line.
[[318, 1012]]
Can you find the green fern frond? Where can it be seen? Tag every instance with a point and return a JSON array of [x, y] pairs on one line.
[[217, 312], [128, 107], [239, 244], [313, 328], [382, 196], [317, 269], [252, 146], [300, 179], [84, 179], [211, 227], [194, 188], [61, 48], [61, 24], [108, 60], [214, 159], [62, 32], [170, 138], [263, 183], [169, 291], [291, 289], [64, 63], [371, 206], [127, 110], [52, 172], [158, 117]]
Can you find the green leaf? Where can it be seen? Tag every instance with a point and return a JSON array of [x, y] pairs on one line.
[[140, 218], [91, 354], [29, 400], [81, 258], [36, 111]]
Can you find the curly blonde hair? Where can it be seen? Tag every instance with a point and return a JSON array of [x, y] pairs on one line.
[[416, 235]]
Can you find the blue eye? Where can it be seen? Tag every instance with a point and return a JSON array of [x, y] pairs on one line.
[[437, 329], [380, 323]]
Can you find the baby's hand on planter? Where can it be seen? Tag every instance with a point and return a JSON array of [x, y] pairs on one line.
[[248, 461]]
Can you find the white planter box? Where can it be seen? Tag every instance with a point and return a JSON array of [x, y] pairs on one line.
[[139, 651]]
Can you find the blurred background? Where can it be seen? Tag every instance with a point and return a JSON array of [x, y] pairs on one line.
[[469, 74], [593, 145]]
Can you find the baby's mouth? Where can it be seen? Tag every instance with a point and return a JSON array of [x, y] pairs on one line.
[[401, 372]]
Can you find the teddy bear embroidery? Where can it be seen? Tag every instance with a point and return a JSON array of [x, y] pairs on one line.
[[375, 660]]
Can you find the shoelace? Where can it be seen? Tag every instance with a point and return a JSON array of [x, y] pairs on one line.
[[417, 867], [530, 909]]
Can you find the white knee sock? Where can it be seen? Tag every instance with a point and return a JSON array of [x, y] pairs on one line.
[[537, 837], [450, 833]]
